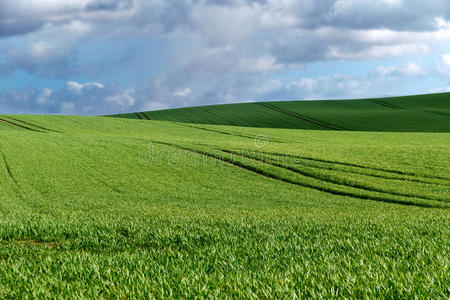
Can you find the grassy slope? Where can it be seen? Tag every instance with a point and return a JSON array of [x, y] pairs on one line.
[[115, 207], [423, 113]]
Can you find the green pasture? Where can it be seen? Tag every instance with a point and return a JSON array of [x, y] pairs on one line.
[[97, 207], [421, 113]]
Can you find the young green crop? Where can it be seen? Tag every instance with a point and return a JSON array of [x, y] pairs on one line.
[[421, 113], [94, 207]]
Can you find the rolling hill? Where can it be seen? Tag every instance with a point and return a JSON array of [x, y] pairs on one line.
[[421, 113], [95, 207]]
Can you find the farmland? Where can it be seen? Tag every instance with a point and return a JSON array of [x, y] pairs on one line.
[[121, 208], [422, 113]]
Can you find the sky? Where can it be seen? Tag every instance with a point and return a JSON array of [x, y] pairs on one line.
[[95, 57]]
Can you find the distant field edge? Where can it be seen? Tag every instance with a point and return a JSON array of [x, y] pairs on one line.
[[418, 113]]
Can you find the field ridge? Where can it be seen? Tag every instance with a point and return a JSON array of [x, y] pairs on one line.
[[419, 113]]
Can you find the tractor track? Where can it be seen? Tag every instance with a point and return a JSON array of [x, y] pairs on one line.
[[385, 104], [335, 182], [290, 181], [145, 116], [8, 169], [397, 172], [392, 106], [302, 117], [34, 125], [440, 113], [211, 113], [229, 133], [369, 174], [19, 126], [97, 178]]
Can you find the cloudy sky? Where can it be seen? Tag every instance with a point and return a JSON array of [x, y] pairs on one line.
[[93, 57]]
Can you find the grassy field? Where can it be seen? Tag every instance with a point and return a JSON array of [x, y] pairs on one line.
[[422, 113], [95, 207]]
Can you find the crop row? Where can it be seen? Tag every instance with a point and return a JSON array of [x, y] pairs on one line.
[[270, 168]]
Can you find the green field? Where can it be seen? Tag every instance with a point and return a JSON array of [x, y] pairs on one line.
[[96, 207], [422, 113]]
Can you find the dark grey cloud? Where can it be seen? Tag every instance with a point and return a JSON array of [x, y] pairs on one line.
[[22, 17], [412, 15], [11, 28]]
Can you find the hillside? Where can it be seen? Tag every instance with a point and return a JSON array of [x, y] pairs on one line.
[[421, 113], [95, 206]]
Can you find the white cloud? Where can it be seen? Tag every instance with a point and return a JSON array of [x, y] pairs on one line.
[[411, 69], [40, 49], [439, 90], [44, 96], [78, 87], [183, 93], [324, 87], [154, 106], [393, 2], [74, 86], [67, 108], [370, 52], [443, 65], [260, 64], [122, 100], [267, 87], [306, 83], [446, 60], [442, 23]]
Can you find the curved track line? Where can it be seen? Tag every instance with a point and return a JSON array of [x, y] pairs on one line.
[[317, 188], [97, 178], [385, 104], [229, 133], [336, 182], [337, 169], [211, 113], [20, 126], [145, 116], [301, 117], [392, 106], [440, 113], [16, 188], [34, 125], [363, 167], [8, 169]]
